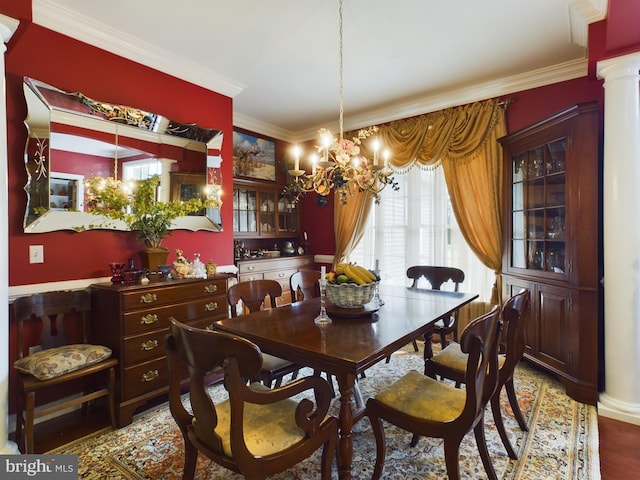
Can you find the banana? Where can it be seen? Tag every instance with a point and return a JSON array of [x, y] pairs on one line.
[[340, 268], [366, 274], [354, 273]]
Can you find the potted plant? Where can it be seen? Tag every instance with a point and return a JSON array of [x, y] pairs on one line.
[[136, 204]]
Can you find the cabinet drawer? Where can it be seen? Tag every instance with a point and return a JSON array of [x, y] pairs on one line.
[[153, 318], [167, 294], [142, 348], [281, 276], [247, 277], [144, 378]]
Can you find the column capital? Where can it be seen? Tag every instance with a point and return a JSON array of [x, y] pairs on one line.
[[619, 67]]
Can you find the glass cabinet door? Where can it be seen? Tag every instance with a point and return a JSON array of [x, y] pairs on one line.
[[287, 215], [538, 208], [244, 210], [267, 212]]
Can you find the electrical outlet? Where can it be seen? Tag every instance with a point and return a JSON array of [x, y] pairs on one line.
[[36, 254]]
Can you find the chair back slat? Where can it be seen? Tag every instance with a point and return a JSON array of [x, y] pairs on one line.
[[436, 276], [253, 294], [304, 285]]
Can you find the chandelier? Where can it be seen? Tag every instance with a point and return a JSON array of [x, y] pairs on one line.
[[339, 164]]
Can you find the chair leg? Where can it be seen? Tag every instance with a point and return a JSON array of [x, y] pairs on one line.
[[378, 433], [415, 346], [328, 452], [112, 398], [190, 460], [28, 422], [497, 419], [482, 448], [513, 401], [414, 440], [451, 457]]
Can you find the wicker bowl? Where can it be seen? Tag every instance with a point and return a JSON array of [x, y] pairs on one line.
[[350, 295]]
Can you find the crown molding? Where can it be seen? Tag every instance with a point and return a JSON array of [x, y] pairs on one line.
[[581, 14], [455, 97], [90, 31], [253, 124]]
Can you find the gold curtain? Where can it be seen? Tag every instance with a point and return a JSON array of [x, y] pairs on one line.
[[464, 140], [349, 222]]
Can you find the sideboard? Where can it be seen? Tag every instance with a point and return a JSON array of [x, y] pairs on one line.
[[133, 319]]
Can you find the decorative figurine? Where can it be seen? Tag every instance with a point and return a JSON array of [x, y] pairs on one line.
[[181, 264], [198, 269]]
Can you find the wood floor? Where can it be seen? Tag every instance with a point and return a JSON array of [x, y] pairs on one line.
[[619, 441]]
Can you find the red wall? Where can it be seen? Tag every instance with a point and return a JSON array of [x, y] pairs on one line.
[[75, 66]]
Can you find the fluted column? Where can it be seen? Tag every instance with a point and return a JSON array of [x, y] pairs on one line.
[[7, 27], [621, 217]]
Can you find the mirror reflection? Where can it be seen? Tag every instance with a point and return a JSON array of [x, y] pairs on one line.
[[72, 138]]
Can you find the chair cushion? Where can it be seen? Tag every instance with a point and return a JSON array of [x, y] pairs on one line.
[[53, 362], [422, 397], [454, 358], [273, 364], [268, 428]]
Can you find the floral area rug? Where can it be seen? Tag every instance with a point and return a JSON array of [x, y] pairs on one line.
[[562, 442]]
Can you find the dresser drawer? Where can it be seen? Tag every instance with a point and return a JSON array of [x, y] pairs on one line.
[[153, 318], [247, 277], [145, 347], [166, 294], [280, 263], [143, 378]]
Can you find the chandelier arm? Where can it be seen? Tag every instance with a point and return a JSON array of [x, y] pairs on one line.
[[341, 71]]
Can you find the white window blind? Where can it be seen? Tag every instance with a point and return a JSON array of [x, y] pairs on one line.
[[416, 226]]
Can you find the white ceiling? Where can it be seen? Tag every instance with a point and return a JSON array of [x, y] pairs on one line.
[[279, 59]]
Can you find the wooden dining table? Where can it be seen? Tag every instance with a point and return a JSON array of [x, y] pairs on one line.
[[350, 344]]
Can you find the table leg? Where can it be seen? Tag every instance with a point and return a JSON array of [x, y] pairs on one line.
[[428, 348], [346, 384]]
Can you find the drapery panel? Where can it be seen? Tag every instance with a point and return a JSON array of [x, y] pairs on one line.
[[464, 140]]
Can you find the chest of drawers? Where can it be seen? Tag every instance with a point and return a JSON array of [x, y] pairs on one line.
[[133, 319]]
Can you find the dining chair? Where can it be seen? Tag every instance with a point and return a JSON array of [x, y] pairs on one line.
[[304, 285], [65, 365], [426, 407], [437, 276], [251, 296], [256, 431], [451, 363]]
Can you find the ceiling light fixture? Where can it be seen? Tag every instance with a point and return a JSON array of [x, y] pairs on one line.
[[339, 164]]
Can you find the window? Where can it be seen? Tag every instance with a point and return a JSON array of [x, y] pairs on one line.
[[416, 225]]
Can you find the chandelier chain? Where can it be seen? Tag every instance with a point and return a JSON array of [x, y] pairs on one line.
[[341, 70]]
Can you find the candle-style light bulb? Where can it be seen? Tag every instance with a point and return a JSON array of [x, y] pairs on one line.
[[314, 162], [386, 156], [296, 153], [376, 147]]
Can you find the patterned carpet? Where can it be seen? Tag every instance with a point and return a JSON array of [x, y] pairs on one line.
[[562, 442]]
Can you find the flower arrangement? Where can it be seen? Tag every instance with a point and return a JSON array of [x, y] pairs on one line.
[[136, 204]]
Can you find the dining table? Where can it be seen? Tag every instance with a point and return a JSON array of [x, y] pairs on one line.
[[355, 340]]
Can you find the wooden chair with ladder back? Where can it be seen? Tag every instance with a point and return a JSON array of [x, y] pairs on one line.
[[66, 364]]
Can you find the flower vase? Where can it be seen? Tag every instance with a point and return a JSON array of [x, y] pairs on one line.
[[151, 257]]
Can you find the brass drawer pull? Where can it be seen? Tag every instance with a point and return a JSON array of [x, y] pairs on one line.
[[210, 328], [211, 288], [281, 274], [210, 307], [149, 345], [148, 298], [251, 268], [150, 376], [149, 319]]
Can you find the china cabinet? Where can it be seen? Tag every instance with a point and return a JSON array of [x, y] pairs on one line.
[[262, 211], [552, 194], [132, 320], [66, 191]]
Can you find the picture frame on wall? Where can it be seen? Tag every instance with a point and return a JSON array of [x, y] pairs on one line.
[[253, 157]]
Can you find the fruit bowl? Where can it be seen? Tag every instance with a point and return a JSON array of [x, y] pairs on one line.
[[350, 295]]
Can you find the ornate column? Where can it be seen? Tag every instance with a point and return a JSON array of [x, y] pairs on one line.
[[7, 27], [621, 217]]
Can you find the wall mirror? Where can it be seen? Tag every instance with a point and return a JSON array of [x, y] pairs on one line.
[[72, 138]]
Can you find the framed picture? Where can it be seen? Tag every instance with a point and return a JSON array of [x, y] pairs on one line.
[[253, 157]]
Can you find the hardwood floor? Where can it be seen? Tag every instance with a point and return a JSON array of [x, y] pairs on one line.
[[619, 441], [619, 449]]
